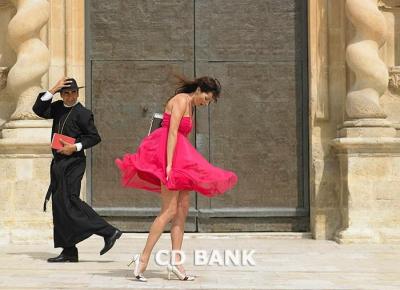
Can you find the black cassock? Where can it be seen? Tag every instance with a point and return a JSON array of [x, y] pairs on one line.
[[73, 219]]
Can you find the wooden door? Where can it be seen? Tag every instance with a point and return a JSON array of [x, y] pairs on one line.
[[257, 49]]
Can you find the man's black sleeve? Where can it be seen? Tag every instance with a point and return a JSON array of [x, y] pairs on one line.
[[43, 108], [90, 136]]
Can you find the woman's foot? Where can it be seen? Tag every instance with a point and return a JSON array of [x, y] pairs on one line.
[[179, 272], [139, 268], [181, 269]]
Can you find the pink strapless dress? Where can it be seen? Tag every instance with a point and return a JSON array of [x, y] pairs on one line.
[[146, 169]]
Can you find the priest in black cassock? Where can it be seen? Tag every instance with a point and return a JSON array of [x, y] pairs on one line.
[[73, 219]]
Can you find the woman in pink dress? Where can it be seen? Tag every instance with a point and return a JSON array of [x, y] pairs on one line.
[[168, 164]]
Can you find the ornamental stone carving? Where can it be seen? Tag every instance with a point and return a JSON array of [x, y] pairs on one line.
[[394, 80], [371, 74], [32, 62], [389, 4]]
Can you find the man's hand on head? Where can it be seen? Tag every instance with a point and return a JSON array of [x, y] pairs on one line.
[[62, 83]]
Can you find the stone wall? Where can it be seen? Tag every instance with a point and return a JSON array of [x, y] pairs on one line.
[[354, 162], [327, 91], [340, 89]]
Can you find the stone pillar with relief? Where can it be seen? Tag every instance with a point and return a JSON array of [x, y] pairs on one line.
[[367, 145], [24, 144], [394, 93]]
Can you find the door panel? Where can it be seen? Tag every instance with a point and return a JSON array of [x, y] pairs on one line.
[[133, 48], [257, 50]]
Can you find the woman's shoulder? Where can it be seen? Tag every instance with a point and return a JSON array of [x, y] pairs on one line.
[[180, 99]]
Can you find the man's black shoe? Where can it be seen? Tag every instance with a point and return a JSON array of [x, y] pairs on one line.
[[110, 241], [62, 258]]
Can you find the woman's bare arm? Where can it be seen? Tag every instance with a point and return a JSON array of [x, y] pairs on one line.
[[177, 112]]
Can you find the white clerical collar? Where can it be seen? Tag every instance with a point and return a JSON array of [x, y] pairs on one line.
[[71, 105]]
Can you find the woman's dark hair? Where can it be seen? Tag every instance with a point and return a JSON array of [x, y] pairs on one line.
[[205, 83]]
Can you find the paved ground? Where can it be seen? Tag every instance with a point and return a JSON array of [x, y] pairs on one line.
[[283, 261]]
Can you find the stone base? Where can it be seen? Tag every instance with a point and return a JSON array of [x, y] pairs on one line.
[[397, 127], [24, 179], [351, 235], [25, 157], [4, 237], [367, 128], [370, 196], [43, 234], [383, 235], [390, 235], [27, 130]]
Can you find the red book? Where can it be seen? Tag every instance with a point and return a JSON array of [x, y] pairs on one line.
[[55, 142]]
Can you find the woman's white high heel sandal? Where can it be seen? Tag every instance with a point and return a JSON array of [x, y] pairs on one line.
[[138, 276], [179, 274]]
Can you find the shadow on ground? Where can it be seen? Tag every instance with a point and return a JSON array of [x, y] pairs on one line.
[[128, 273], [43, 256]]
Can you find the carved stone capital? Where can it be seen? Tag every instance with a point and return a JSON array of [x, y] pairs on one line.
[[389, 4], [394, 80]]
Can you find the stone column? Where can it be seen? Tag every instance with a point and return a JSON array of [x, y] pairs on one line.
[[24, 78], [367, 146], [365, 116], [25, 154], [32, 54]]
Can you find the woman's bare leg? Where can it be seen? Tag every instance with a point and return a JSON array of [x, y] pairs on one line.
[[178, 225], [169, 201]]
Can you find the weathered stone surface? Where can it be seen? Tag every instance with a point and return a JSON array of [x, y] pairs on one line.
[[23, 185], [369, 201]]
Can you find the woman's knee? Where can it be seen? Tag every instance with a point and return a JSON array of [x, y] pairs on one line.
[[183, 203], [183, 209], [181, 214], [169, 213]]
